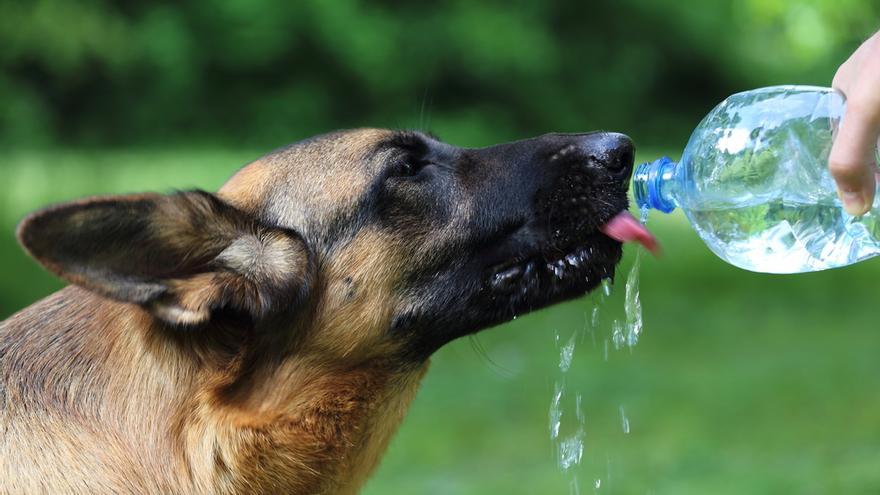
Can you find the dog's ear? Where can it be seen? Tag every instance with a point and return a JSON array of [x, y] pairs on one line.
[[181, 256]]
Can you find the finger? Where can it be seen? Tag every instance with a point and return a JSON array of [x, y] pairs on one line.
[[851, 161]]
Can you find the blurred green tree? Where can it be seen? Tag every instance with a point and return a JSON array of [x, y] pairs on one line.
[[101, 72]]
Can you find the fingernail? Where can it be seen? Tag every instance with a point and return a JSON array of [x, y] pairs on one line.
[[853, 202]]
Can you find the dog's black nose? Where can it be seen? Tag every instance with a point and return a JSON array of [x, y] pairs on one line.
[[611, 150]]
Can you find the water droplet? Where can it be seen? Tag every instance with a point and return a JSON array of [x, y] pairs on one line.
[[633, 303], [556, 409], [571, 450], [568, 440], [606, 287], [566, 354], [624, 421], [617, 334], [598, 483], [578, 409], [558, 268]]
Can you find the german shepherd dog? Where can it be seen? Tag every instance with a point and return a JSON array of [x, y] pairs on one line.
[[269, 338]]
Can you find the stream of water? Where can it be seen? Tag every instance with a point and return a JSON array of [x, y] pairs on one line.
[[567, 419]]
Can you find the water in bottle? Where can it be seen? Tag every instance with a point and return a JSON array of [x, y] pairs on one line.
[[754, 183]]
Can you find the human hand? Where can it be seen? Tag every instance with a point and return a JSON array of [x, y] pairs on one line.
[[852, 161]]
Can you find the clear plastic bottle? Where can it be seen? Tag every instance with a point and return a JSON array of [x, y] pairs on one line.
[[754, 183]]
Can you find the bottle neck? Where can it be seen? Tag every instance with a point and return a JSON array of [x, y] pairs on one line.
[[652, 185]]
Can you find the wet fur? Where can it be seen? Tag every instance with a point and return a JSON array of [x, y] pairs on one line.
[[253, 341]]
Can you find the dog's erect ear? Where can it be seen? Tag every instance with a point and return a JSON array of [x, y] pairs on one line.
[[181, 256]]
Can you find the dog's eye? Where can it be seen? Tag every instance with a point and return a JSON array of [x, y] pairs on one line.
[[408, 167]]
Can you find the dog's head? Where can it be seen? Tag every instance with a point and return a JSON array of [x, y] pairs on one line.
[[378, 239]]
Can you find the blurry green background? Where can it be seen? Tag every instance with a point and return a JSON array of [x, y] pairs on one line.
[[742, 383]]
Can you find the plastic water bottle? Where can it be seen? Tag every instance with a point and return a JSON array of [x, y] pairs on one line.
[[754, 183]]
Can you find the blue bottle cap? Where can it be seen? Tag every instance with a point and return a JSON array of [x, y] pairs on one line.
[[648, 181]]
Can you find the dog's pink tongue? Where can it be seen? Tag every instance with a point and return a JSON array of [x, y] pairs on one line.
[[625, 228]]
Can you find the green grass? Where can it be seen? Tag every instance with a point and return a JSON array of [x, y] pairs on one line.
[[741, 383]]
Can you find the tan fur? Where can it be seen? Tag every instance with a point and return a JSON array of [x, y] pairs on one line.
[[356, 298], [99, 396], [152, 421], [248, 187], [314, 174]]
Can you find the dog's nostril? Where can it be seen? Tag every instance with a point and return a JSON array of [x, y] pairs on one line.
[[625, 158], [620, 163]]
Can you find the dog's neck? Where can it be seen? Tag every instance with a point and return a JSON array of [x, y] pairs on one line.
[[166, 422], [325, 436]]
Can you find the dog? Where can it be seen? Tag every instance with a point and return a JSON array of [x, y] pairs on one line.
[[269, 338]]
